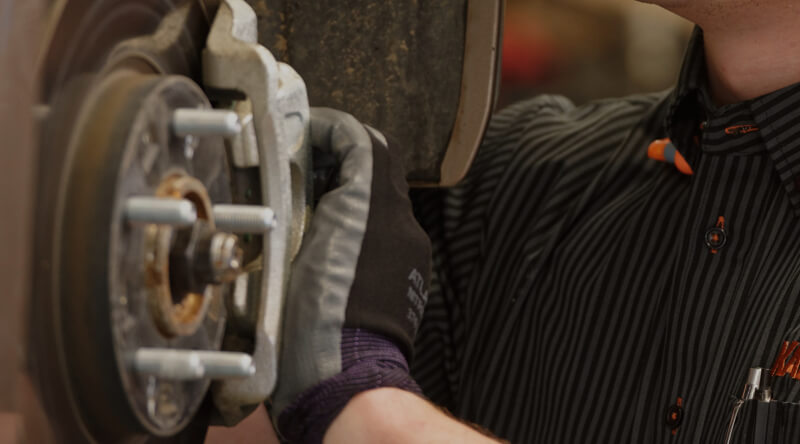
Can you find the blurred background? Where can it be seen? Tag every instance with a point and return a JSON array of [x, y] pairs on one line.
[[589, 49]]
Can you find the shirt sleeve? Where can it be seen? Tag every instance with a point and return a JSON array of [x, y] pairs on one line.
[[456, 219]]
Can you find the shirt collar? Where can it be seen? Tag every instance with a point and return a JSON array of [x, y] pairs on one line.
[[768, 123]]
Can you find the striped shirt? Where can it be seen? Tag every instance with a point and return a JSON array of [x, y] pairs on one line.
[[587, 289]]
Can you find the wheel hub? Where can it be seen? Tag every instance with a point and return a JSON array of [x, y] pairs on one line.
[[178, 261], [151, 208], [148, 305]]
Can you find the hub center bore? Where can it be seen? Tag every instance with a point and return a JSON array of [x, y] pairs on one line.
[[135, 191], [178, 300]]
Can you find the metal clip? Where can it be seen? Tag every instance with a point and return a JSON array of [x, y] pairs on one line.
[[758, 388]]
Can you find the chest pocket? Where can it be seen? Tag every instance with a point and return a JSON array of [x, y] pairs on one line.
[[768, 411], [758, 422]]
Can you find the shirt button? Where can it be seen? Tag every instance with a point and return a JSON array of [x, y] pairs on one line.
[[674, 416], [716, 238]]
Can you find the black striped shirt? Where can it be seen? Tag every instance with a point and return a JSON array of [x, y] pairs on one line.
[[584, 292]]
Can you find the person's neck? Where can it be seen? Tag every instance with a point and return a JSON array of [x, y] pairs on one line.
[[756, 58]]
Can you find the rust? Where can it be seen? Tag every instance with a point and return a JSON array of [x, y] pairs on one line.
[[174, 314], [187, 310]]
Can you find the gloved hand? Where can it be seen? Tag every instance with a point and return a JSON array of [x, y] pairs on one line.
[[363, 269]]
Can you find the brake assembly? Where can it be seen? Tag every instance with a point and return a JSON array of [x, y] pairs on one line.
[[175, 166]]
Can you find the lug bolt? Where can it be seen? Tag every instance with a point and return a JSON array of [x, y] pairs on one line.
[[205, 122], [157, 210], [192, 364], [244, 218]]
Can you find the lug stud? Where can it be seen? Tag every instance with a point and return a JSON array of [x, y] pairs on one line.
[[219, 364], [158, 210], [244, 218], [192, 364], [205, 122]]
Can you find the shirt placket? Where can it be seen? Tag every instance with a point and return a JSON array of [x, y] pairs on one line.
[[706, 290]]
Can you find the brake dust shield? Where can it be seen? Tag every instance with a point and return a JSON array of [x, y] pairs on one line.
[[422, 72]]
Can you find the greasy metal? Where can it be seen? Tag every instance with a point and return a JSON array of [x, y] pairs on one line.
[[244, 218], [157, 210], [233, 61], [170, 363], [205, 122], [478, 84]]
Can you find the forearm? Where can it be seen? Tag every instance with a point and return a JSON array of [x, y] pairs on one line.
[[389, 415]]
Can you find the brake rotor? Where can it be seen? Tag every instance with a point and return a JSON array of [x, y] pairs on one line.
[[108, 287]]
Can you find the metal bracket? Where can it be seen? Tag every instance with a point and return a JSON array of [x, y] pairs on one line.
[[234, 61]]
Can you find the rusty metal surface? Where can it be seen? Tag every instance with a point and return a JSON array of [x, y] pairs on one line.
[[395, 65]]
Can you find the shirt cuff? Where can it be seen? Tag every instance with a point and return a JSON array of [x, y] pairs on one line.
[[369, 361]]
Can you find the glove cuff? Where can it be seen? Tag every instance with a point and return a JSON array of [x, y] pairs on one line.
[[369, 361]]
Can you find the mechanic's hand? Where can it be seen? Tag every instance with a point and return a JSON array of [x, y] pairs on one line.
[[364, 263]]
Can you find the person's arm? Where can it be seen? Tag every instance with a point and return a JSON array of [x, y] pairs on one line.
[[356, 295], [389, 415]]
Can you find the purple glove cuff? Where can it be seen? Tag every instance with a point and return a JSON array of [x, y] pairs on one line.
[[369, 361]]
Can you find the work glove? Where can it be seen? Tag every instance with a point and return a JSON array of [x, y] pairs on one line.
[[358, 286]]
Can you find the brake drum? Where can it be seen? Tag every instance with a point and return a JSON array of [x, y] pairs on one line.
[[106, 286]]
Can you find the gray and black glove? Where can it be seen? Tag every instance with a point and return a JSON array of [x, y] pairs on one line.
[[358, 286]]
